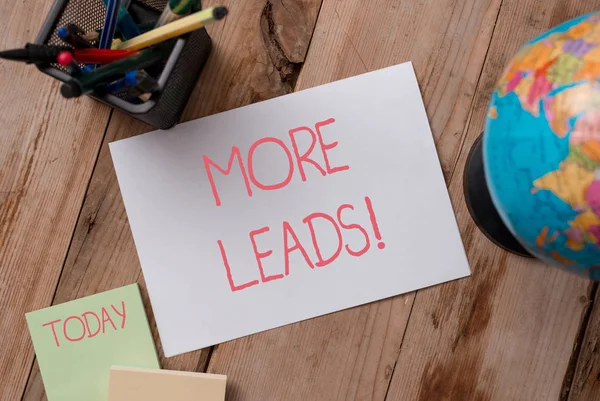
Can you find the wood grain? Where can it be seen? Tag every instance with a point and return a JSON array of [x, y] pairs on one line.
[[507, 332], [350, 355], [446, 42], [585, 385], [343, 356], [249, 61], [241, 69], [47, 151], [293, 23]]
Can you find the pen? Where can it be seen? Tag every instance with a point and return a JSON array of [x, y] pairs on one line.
[[38, 54], [174, 10], [173, 29], [139, 82], [66, 59], [47, 54], [70, 34], [91, 36], [110, 24], [100, 56], [134, 84], [127, 28], [111, 72]]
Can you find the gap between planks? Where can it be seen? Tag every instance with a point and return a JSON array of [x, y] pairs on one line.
[[460, 147], [202, 364], [571, 373], [62, 268]]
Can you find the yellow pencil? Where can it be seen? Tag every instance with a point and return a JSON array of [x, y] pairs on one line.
[[173, 29]]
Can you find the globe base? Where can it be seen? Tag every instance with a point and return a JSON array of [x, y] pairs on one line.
[[480, 205]]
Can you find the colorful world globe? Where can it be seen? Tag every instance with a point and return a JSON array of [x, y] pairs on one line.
[[541, 146]]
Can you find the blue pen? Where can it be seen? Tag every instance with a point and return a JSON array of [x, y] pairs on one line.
[[116, 87], [134, 84], [69, 34], [110, 24], [127, 28]]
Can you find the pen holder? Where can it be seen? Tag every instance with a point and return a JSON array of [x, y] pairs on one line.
[[176, 79]]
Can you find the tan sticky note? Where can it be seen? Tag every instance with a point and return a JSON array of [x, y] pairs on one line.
[[133, 384]]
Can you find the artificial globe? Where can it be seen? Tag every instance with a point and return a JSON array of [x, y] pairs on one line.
[[541, 150]]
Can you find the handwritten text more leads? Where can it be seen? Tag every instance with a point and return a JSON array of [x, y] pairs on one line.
[[291, 243]]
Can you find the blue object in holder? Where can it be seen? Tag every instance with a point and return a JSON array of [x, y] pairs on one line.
[[125, 24], [176, 77], [110, 24], [69, 35]]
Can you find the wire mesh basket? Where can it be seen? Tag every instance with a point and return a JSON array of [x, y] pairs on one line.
[[176, 77]]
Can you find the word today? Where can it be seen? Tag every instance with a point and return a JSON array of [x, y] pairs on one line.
[[76, 328]]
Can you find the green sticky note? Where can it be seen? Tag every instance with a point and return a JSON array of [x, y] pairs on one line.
[[77, 342]]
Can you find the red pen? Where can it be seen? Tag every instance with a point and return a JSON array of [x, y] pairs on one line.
[[100, 56], [34, 53]]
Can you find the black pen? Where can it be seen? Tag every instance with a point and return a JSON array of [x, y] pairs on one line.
[[32, 53], [70, 35]]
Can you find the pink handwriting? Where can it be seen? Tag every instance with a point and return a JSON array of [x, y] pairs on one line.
[[307, 158], [75, 328], [340, 225], [302, 160]]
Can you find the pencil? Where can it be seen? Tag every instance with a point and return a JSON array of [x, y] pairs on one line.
[[173, 29]]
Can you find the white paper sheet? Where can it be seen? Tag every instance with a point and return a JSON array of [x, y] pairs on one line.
[[384, 157]]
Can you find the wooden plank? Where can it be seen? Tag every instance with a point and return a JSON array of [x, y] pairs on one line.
[[249, 61], [350, 355], [48, 150], [248, 64], [445, 41], [508, 331], [585, 385]]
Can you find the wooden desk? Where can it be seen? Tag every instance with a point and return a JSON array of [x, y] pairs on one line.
[[515, 330]]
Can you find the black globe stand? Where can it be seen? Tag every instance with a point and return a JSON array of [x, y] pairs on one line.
[[481, 207]]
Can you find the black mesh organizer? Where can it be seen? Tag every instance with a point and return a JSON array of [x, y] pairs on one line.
[[176, 78]]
